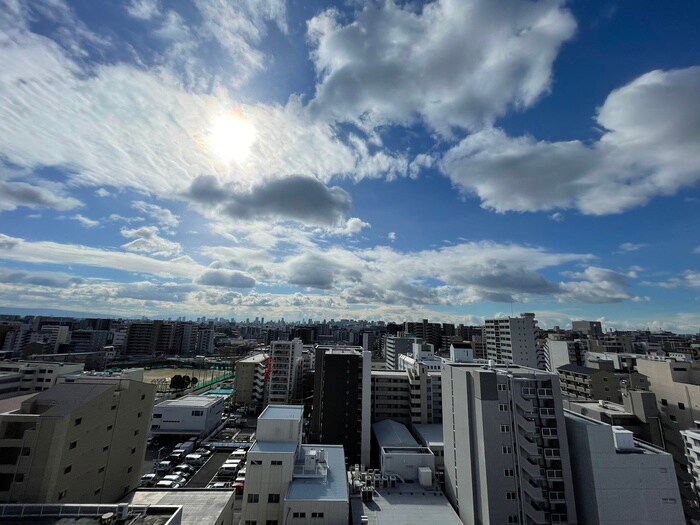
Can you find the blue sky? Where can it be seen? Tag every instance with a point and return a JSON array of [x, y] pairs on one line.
[[384, 160]]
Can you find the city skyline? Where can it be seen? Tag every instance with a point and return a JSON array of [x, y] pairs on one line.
[[453, 161]]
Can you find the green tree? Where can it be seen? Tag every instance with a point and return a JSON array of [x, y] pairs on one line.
[[186, 380], [194, 382], [177, 382]]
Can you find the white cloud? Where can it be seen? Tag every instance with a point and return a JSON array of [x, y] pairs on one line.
[[47, 252], [596, 285], [226, 279], [163, 215], [147, 240], [391, 236], [143, 9], [446, 63], [102, 192], [86, 221], [632, 246], [649, 148]]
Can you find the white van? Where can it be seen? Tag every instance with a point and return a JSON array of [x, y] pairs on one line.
[[195, 459]]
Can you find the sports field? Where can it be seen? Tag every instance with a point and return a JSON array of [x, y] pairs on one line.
[[166, 373]]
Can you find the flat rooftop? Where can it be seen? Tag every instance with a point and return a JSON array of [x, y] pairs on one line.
[[287, 412], [12, 404], [334, 488], [407, 504], [257, 358], [203, 507], [70, 514], [274, 446], [190, 401]]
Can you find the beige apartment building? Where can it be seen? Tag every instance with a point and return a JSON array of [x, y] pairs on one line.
[[249, 380], [82, 441]]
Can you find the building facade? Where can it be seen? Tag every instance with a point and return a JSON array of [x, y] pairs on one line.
[[512, 340], [506, 454], [285, 378]]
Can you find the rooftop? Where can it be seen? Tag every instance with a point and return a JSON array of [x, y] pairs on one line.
[[203, 507], [69, 514], [190, 401], [257, 358], [407, 504], [578, 369], [65, 398], [274, 446], [430, 435], [335, 485], [390, 433], [289, 412], [11, 404]]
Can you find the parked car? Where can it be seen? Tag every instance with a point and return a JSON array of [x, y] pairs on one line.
[[164, 467], [148, 480], [195, 459], [219, 485], [167, 484], [239, 486], [203, 451], [184, 467], [176, 478]]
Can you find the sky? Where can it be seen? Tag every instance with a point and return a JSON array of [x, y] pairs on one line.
[[453, 160]]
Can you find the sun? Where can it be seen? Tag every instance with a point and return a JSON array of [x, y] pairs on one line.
[[232, 136]]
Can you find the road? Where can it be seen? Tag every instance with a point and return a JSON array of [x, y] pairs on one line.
[[205, 474]]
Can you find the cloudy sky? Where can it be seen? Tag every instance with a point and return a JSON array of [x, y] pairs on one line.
[[452, 159]]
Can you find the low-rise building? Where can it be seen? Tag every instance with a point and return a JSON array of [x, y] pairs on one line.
[[190, 415], [199, 506], [23, 377], [290, 482], [582, 382]]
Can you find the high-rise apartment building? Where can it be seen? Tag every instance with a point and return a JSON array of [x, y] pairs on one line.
[[342, 400], [285, 378], [395, 346], [512, 340], [506, 454], [81, 441], [249, 380]]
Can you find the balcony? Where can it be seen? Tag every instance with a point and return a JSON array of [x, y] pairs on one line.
[[552, 453]]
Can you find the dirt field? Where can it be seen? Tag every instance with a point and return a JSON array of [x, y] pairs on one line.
[[167, 373]]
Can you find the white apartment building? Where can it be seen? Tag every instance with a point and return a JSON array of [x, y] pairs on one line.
[[249, 380], [395, 346], [285, 378], [512, 340], [81, 441], [289, 482], [23, 377], [619, 479], [191, 415], [506, 454], [692, 454]]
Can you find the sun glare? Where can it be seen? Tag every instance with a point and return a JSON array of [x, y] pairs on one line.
[[232, 136]]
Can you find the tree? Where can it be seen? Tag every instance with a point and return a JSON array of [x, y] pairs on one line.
[[194, 382], [177, 382], [186, 380]]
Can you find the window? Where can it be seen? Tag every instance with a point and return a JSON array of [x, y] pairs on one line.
[[128, 471], [251, 522], [143, 396], [105, 448], [298, 514], [511, 495], [110, 427], [97, 491], [136, 432], [681, 406], [508, 473], [78, 420], [198, 412], [664, 402], [513, 518], [317, 514], [271, 522], [273, 498], [68, 469], [100, 470], [501, 387], [505, 428], [139, 414], [61, 495], [157, 416], [673, 418], [503, 408], [72, 445], [253, 498], [114, 407], [275, 463], [133, 450], [255, 462]]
